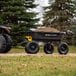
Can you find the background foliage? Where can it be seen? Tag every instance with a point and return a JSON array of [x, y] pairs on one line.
[[60, 14], [17, 14]]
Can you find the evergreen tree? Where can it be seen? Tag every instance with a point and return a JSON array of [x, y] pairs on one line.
[[60, 14], [17, 14]]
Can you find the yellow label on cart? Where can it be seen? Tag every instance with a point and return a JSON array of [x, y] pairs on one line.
[[29, 38]]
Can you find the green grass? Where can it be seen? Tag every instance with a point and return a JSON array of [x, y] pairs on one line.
[[37, 66], [17, 50], [31, 65], [72, 49]]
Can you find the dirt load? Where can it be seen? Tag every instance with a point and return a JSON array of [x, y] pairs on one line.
[[47, 29]]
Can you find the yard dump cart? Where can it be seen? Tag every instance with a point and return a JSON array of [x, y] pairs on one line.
[[33, 37]]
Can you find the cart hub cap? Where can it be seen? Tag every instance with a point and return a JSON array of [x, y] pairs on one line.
[[63, 48], [32, 46]]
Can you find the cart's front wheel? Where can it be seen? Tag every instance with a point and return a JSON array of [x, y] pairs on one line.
[[63, 48], [32, 47], [48, 48]]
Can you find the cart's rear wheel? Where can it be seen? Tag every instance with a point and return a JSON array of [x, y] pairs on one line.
[[2, 44], [32, 47], [8, 42], [63, 48], [48, 48]]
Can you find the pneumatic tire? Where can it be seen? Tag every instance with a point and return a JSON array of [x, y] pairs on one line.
[[8, 42], [63, 48], [2, 44], [32, 47], [48, 48]]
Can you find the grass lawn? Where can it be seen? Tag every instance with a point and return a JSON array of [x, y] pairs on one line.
[[72, 49], [34, 65], [37, 66]]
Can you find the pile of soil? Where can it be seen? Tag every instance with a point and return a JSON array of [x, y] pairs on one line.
[[47, 29]]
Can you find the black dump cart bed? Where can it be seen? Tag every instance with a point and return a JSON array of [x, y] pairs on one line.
[[45, 36]]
